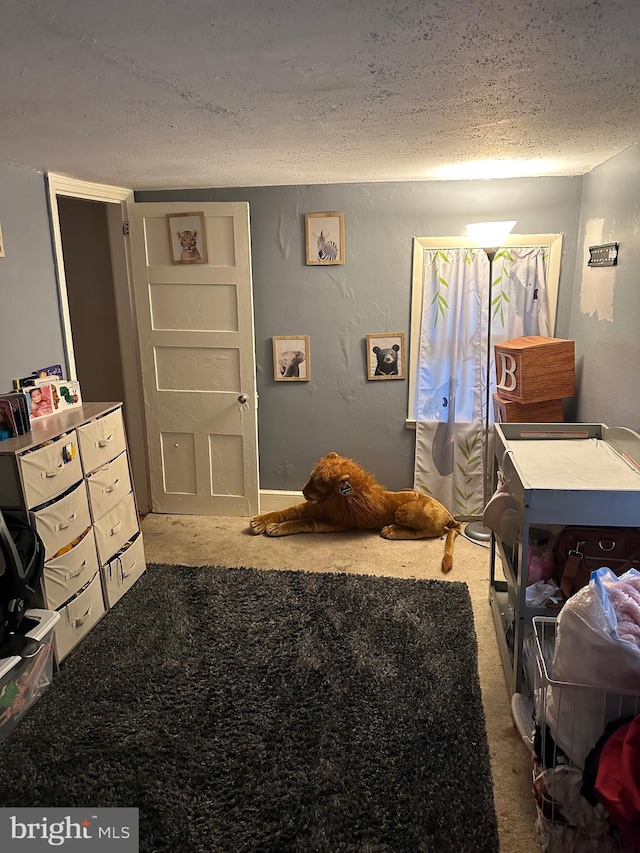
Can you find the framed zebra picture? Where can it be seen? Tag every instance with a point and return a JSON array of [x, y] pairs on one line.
[[324, 238]]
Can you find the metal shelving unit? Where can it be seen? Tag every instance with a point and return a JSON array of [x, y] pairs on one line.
[[559, 475]]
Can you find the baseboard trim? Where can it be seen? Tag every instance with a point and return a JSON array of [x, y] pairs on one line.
[[275, 499]]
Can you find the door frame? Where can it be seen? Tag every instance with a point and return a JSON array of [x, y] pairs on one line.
[[116, 199]]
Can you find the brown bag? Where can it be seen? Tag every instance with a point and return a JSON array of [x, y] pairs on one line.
[[578, 551]]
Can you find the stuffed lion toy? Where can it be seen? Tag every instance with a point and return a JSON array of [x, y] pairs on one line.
[[340, 496]]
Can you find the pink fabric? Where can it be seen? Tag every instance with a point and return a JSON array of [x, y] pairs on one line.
[[625, 600]]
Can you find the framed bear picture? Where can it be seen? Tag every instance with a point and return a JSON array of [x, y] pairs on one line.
[[385, 356]]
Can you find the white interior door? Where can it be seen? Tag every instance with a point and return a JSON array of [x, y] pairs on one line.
[[195, 326]]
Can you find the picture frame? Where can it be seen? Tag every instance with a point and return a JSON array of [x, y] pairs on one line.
[[386, 358], [324, 238], [291, 358], [1, 244], [188, 238]]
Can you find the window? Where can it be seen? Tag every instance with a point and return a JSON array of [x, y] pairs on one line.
[[553, 242]]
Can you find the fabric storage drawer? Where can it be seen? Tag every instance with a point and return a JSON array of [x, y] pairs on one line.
[[79, 616], [61, 522], [115, 528], [123, 571], [101, 440], [108, 485], [50, 470], [65, 575], [24, 680]]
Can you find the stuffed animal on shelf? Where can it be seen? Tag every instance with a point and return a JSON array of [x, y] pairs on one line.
[[340, 495]]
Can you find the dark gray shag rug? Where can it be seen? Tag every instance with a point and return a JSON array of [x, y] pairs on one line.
[[245, 710]]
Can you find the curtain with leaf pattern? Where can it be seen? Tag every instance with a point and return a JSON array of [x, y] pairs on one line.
[[451, 382]]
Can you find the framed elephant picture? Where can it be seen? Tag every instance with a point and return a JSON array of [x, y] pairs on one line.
[[386, 356], [291, 358]]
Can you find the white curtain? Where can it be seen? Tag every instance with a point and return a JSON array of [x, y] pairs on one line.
[[451, 382]]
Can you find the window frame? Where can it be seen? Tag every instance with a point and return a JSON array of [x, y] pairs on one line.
[[553, 242]]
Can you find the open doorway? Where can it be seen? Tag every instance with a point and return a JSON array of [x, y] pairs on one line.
[[92, 305], [96, 305]]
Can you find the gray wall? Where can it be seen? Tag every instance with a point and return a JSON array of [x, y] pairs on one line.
[[339, 409], [605, 315], [339, 306], [30, 328]]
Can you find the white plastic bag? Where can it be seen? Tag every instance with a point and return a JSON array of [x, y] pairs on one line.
[[589, 651]]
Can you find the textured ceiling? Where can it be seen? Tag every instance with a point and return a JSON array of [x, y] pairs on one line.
[[190, 93]]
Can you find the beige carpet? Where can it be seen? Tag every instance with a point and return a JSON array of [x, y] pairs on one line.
[[196, 540]]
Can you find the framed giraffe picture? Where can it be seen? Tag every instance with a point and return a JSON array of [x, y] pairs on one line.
[[324, 238]]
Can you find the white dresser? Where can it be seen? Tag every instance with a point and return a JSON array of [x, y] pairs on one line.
[[72, 476]]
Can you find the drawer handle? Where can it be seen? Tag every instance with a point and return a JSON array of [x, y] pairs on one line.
[[131, 569], [110, 488], [61, 526], [35, 653], [82, 619], [115, 528], [103, 442], [53, 472], [77, 571]]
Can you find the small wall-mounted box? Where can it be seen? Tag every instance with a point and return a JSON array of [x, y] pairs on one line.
[[603, 256], [543, 412], [534, 368]]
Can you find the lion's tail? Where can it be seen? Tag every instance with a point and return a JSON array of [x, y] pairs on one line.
[[453, 530]]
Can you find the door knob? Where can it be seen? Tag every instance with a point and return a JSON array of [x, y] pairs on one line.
[[242, 398]]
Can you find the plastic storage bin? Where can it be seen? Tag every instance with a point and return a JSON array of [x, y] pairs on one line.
[[23, 680]]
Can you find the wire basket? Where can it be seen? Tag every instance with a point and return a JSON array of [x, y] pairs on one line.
[[570, 719]]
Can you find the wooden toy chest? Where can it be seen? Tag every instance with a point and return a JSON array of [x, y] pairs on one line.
[[534, 368], [543, 412]]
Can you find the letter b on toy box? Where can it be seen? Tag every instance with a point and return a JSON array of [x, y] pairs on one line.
[[535, 368]]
